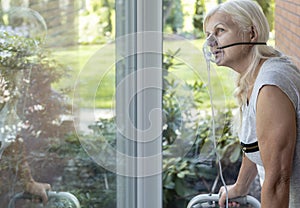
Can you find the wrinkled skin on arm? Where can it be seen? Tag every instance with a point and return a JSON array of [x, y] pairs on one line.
[[247, 174], [276, 132]]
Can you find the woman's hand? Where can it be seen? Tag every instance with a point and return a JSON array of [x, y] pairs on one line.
[[247, 174], [38, 189], [233, 192]]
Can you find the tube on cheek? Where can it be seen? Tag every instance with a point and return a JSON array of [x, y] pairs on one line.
[[214, 51]]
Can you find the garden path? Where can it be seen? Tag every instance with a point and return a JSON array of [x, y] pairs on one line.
[[88, 116]]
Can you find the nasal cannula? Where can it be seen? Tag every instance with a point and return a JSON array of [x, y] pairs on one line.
[[208, 58]]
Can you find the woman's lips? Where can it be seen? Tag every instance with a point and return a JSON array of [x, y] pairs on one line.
[[216, 53]]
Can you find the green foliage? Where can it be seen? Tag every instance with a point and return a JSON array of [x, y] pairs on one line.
[[183, 175], [171, 109], [30, 70], [195, 173], [189, 162], [268, 8], [199, 18], [179, 179], [105, 128], [97, 22], [173, 15], [92, 184], [104, 11]]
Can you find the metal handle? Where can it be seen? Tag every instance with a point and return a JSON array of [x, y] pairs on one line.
[[51, 194], [250, 200]]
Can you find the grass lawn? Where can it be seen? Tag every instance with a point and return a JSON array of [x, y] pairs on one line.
[[93, 74]]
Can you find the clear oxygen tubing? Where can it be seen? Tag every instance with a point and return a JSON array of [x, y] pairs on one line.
[[208, 60]]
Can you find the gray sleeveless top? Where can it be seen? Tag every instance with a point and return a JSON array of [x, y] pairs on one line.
[[282, 73]]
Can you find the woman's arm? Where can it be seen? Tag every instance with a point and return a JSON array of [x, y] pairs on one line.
[[247, 174], [276, 132]]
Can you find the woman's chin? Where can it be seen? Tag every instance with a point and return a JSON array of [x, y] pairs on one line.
[[218, 61]]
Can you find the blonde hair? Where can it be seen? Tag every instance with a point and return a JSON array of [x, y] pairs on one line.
[[247, 14]]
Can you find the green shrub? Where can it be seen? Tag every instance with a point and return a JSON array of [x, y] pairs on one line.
[[30, 70], [189, 161], [199, 18]]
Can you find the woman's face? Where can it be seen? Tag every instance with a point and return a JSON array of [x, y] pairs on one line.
[[221, 31]]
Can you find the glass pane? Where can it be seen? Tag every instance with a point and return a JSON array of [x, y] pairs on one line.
[[199, 109], [57, 101], [57, 87]]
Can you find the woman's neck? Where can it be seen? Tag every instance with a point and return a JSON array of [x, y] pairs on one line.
[[253, 78]]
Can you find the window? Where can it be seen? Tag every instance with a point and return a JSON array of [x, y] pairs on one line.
[[139, 103], [61, 125]]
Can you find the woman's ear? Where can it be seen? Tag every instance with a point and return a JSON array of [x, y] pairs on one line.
[[253, 34]]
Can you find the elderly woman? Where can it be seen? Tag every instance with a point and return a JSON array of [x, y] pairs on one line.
[[268, 92]]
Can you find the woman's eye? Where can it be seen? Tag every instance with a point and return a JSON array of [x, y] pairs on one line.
[[219, 30]]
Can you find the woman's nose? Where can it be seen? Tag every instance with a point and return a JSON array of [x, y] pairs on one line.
[[212, 41]]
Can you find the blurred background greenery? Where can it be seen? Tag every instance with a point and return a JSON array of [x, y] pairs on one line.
[[96, 28]]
